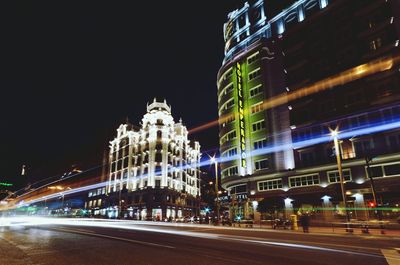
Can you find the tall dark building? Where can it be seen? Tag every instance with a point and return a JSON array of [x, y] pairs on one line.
[[289, 81]]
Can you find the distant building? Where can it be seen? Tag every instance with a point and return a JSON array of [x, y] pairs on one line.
[[153, 170], [274, 133]]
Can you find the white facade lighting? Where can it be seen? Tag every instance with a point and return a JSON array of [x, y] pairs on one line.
[[158, 154]]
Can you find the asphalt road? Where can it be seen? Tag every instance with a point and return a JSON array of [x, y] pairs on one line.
[[127, 242]]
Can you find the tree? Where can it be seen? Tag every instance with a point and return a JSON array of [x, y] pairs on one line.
[[270, 205]]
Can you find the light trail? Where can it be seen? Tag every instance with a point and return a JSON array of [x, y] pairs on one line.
[[132, 225], [342, 78], [363, 130], [319, 139], [59, 179]]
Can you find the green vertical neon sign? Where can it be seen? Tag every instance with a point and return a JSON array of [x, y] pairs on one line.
[[242, 135]]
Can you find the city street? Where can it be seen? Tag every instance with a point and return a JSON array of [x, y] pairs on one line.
[[86, 241]]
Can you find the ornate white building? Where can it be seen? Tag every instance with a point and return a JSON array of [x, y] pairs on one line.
[[158, 156]]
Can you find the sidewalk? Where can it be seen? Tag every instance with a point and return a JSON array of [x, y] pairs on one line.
[[328, 230]]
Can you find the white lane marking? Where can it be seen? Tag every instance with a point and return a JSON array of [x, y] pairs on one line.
[[113, 237], [310, 243], [82, 230], [297, 245], [392, 256], [199, 229]]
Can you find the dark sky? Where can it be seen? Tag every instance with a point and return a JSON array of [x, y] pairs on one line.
[[72, 72]]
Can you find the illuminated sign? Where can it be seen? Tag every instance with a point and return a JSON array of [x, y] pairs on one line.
[[242, 136], [6, 184]]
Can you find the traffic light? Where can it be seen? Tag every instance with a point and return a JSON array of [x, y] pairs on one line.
[[371, 204]]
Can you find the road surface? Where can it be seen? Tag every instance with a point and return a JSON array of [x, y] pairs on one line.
[[72, 241]]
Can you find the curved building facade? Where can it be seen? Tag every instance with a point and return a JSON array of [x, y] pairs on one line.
[[286, 80], [155, 167]]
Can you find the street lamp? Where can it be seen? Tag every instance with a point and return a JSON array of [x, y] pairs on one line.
[[214, 160], [119, 199], [334, 134]]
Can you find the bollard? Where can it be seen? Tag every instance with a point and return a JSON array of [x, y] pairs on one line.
[[293, 218]]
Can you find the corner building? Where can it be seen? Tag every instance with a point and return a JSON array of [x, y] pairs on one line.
[[154, 170], [274, 132]]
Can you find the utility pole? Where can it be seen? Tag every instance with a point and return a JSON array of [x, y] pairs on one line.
[[119, 201], [368, 159], [216, 188], [334, 134]]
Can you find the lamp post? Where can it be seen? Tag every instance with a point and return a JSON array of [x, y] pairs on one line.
[[214, 160], [368, 159], [334, 134], [62, 202], [119, 200]]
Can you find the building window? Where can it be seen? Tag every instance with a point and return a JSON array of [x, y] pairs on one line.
[[376, 171], [126, 161], [157, 170], [260, 144], [304, 181], [230, 152], [334, 177], [158, 183], [307, 158], [356, 122], [256, 90], [252, 58], [158, 157], [226, 75], [226, 119], [392, 170], [261, 164], [363, 147], [391, 114], [257, 107], [232, 171], [271, 184], [228, 136], [229, 104], [119, 164], [239, 189], [258, 125], [225, 91], [229, 88], [254, 74], [393, 142]]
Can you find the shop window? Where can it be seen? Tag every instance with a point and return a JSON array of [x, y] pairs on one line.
[[392, 170]]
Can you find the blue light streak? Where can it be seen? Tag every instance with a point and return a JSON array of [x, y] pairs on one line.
[[359, 131]]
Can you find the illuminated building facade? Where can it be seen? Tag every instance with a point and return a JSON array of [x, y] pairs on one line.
[[154, 170], [287, 80]]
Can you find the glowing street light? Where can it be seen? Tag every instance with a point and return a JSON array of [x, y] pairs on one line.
[[215, 162], [334, 134]]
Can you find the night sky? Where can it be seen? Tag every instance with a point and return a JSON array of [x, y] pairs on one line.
[[72, 72]]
